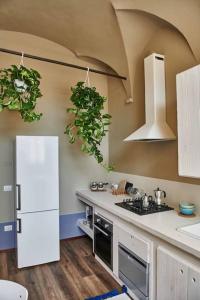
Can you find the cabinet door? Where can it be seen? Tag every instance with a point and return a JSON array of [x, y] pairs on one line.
[[38, 238], [171, 276], [193, 284], [188, 116]]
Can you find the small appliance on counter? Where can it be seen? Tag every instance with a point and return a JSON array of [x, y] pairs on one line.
[[98, 186], [158, 196]]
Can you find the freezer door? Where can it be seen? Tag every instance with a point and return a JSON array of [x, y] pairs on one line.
[[37, 238], [37, 184]]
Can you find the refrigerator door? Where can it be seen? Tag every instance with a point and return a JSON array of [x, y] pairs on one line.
[[37, 238], [37, 185]]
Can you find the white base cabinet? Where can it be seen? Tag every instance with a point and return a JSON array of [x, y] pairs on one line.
[[171, 277], [176, 278], [193, 284]]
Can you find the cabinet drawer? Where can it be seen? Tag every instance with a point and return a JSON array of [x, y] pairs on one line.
[[134, 243]]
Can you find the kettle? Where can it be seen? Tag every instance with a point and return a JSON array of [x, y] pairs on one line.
[[158, 194], [145, 201]]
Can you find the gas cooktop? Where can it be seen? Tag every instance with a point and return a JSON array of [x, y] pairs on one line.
[[136, 206]]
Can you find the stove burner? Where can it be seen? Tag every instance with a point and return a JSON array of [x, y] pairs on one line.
[[136, 206]]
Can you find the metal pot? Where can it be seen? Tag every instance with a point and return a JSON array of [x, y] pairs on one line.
[[94, 186]]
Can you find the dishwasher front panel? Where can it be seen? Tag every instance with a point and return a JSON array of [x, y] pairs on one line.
[[134, 272]]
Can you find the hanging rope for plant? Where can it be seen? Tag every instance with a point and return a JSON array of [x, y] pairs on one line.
[[87, 78], [89, 123], [19, 90]]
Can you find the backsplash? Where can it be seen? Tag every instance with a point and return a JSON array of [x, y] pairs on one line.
[[176, 191]]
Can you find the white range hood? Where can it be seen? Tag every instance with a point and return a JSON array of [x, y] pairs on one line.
[[156, 128]]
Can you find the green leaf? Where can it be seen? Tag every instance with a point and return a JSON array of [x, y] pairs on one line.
[[71, 110], [89, 123], [24, 98], [106, 116]]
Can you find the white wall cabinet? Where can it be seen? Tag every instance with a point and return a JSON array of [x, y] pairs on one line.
[[188, 117], [176, 278]]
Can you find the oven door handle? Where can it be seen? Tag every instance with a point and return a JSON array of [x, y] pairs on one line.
[[102, 231]]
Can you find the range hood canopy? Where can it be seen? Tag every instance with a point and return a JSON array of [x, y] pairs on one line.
[[156, 128]]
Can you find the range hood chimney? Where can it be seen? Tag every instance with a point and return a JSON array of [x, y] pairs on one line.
[[156, 128]]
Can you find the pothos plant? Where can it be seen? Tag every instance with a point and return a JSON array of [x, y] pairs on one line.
[[89, 123], [19, 90]]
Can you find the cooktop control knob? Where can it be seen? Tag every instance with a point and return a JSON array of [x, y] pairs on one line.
[[106, 226], [98, 220]]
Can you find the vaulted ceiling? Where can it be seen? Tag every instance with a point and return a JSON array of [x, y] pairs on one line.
[[111, 31]]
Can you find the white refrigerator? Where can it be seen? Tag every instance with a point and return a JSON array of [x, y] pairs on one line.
[[37, 200]]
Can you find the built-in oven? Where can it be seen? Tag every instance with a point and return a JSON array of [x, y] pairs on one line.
[[134, 272], [103, 239]]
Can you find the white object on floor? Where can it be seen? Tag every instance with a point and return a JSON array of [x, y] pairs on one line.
[[192, 230], [120, 297], [10, 290]]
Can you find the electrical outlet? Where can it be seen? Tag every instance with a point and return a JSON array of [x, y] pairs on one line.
[[7, 188], [8, 228]]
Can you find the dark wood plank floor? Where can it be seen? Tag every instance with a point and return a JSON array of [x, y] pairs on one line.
[[76, 276]]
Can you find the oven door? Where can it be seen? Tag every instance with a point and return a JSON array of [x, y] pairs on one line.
[[103, 245]]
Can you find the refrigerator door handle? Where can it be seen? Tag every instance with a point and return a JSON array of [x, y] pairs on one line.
[[19, 225], [18, 198]]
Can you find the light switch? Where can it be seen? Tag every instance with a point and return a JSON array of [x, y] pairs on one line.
[[8, 228], [7, 188]]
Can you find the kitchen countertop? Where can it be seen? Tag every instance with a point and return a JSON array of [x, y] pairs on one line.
[[163, 225]]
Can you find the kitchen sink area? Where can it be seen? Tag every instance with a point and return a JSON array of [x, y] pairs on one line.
[[192, 230]]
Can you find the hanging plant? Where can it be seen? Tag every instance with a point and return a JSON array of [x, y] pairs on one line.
[[89, 124], [19, 90]]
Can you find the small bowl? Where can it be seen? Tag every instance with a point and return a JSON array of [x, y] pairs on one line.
[[187, 209], [186, 205]]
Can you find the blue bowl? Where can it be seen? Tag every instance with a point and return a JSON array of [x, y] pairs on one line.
[[186, 211]]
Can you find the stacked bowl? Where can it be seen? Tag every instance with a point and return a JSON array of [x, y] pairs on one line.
[[186, 208]]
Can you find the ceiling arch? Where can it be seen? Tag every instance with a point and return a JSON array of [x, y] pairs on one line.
[[88, 28], [183, 15], [99, 29]]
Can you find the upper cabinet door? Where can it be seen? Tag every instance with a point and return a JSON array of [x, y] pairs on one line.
[[171, 276], [37, 173], [188, 113]]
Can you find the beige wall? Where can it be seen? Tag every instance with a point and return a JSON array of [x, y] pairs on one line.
[[156, 159], [119, 34], [76, 169]]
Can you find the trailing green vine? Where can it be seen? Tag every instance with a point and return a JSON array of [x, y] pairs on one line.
[[89, 124], [19, 90]]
